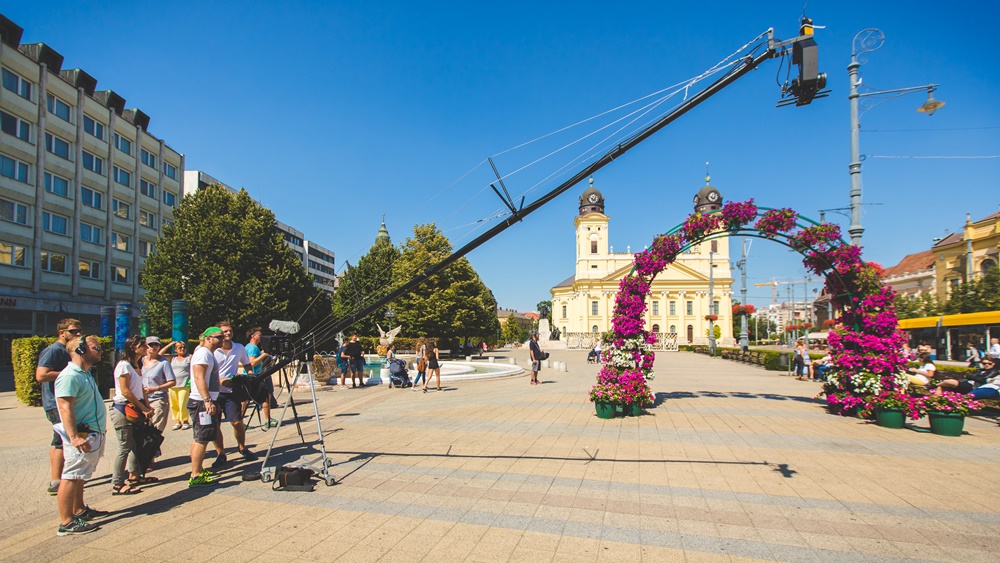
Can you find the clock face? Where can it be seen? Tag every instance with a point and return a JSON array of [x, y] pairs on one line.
[[592, 198], [713, 197]]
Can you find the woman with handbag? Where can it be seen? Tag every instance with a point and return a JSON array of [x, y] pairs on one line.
[[128, 408], [421, 363]]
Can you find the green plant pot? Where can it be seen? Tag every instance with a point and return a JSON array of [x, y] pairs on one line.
[[620, 410], [890, 418], [946, 423], [605, 410], [632, 409]]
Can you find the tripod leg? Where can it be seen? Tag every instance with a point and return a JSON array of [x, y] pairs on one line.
[[291, 401]]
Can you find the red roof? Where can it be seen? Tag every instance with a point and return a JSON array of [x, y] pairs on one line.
[[532, 315], [912, 263]]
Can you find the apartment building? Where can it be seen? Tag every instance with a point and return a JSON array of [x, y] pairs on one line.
[[85, 191], [318, 261]]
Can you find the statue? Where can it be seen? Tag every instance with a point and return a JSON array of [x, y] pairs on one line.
[[386, 338]]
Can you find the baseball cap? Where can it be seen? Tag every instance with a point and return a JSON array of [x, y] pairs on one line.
[[210, 331], [152, 340]]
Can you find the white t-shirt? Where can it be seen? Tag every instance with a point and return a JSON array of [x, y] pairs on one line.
[[927, 368], [231, 362], [203, 357], [134, 382]]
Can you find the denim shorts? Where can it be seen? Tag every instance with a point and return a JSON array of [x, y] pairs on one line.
[[230, 407]]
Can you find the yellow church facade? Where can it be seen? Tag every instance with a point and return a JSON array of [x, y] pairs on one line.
[[680, 299]]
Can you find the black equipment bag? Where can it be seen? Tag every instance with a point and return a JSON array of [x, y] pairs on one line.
[[293, 479]]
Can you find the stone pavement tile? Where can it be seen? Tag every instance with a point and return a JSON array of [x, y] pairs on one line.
[[611, 550], [537, 541]]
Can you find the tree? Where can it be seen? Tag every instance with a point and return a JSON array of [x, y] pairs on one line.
[[225, 257], [912, 306], [511, 332], [454, 303], [363, 284], [982, 294]]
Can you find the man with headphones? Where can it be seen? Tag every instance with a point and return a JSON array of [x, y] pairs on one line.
[[82, 428], [51, 362]]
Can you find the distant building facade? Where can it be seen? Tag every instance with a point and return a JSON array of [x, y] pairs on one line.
[[679, 298], [967, 255], [85, 191], [914, 275]]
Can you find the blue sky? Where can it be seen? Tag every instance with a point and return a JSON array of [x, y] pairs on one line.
[[333, 113]]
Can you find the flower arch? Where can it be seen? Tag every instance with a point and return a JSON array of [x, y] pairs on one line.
[[865, 343]]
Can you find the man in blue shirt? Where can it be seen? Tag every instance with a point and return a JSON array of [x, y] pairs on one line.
[[83, 425], [51, 361], [257, 357]]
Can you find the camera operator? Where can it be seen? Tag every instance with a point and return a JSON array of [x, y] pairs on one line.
[[257, 357]]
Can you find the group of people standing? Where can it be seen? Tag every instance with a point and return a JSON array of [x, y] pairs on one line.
[[196, 390]]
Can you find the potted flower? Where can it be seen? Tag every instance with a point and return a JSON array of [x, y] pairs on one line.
[[891, 408], [711, 317], [807, 325], [829, 323], [947, 412], [605, 397]]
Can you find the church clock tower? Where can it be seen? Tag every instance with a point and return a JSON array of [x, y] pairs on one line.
[[591, 236]]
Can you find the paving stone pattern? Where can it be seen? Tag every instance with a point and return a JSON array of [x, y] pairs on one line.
[[733, 463]]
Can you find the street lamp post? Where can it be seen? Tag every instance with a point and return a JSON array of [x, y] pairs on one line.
[[711, 303], [867, 41]]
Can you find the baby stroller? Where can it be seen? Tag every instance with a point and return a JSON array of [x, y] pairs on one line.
[[398, 376]]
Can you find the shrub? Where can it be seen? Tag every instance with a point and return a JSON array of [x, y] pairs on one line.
[[25, 351]]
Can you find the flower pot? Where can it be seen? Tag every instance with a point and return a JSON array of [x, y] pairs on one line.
[[605, 410], [632, 409], [946, 423], [620, 410], [890, 418]]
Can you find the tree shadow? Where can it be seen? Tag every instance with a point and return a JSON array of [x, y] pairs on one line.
[[659, 398]]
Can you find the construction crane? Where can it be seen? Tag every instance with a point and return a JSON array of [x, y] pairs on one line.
[[774, 283]]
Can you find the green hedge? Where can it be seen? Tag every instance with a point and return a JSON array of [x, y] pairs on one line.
[[25, 351]]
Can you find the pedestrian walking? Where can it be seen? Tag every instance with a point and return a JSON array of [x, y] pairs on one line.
[[180, 363], [994, 348], [433, 365], [129, 407], [421, 363], [355, 358], [535, 355]]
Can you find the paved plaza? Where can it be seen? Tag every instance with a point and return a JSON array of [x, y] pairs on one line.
[[732, 463]]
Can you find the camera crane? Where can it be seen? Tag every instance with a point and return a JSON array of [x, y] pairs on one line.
[[801, 91]]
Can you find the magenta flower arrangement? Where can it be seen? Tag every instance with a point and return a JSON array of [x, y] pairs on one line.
[[892, 400], [865, 343], [948, 402]]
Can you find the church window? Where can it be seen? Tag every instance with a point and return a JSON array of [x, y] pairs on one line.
[[695, 249], [593, 247], [593, 307], [715, 246], [594, 329], [715, 307], [656, 310], [673, 329], [690, 308], [564, 312], [656, 328], [673, 308]]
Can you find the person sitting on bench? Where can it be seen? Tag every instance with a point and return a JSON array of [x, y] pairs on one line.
[[920, 377], [984, 374], [594, 354]]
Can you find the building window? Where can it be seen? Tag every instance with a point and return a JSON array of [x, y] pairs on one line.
[[119, 274], [593, 307], [169, 171], [57, 107], [147, 219], [656, 328], [93, 127], [53, 262], [673, 307], [11, 254], [121, 242], [594, 329], [14, 126], [169, 199], [121, 209], [93, 163], [123, 144], [57, 146], [147, 158], [673, 329], [715, 246], [167, 223], [13, 169], [147, 189], [55, 223], [715, 307], [123, 177], [690, 333], [13, 212], [689, 308], [90, 198], [56, 185], [91, 233], [16, 84], [656, 309], [146, 248], [593, 247], [90, 269], [564, 311], [695, 249]]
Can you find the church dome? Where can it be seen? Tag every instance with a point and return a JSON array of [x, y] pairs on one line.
[[591, 201], [383, 233], [707, 198]]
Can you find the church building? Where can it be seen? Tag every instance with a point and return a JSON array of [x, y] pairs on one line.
[[679, 303]]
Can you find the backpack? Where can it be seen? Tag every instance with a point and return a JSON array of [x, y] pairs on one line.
[[293, 479]]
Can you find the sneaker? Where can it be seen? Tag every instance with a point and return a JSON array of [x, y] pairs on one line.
[[53, 489], [208, 473], [200, 481], [220, 461], [89, 514], [273, 422], [248, 455], [76, 527]]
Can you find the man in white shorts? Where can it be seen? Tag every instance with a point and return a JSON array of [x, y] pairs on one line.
[[82, 428]]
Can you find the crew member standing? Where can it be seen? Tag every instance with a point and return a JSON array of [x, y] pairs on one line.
[[51, 362]]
